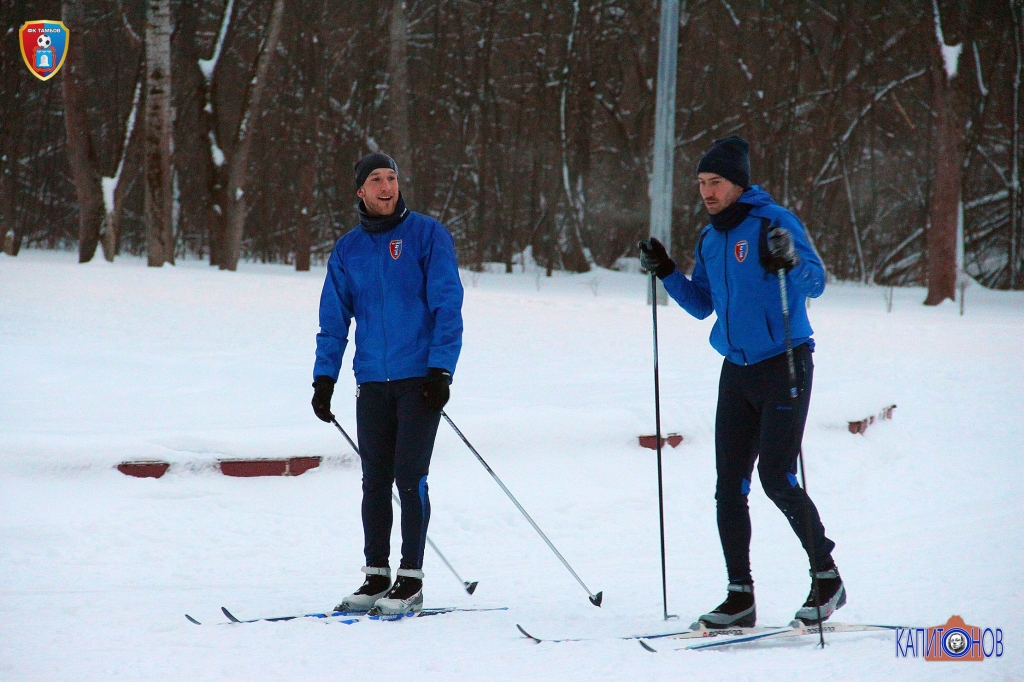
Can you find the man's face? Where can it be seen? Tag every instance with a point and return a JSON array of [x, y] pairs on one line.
[[717, 192], [380, 192]]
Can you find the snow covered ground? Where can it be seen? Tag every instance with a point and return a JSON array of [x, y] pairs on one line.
[[100, 363]]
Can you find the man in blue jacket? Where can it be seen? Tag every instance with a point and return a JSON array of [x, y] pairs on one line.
[[738, 256], [396, 275]]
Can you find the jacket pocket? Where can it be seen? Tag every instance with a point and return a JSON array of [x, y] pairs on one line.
[[768, 324]]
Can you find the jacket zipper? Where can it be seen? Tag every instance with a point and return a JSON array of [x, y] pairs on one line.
[[383, 325], [725, 270]]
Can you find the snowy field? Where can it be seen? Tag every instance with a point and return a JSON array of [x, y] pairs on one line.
[[102, 363]]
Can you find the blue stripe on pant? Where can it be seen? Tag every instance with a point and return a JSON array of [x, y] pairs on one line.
[[396, 438], [756, 422]]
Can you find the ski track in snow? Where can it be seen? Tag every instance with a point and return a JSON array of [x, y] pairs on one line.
[[101, 363]]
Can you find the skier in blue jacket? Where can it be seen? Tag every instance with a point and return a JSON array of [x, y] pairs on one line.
[[738, 256], [397, 276]]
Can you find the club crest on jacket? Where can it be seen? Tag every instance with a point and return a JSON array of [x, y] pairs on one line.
[[741, 250], [396, 248]]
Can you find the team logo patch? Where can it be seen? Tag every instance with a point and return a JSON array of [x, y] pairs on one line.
[[44, 45], [396, 248], [741, 250]]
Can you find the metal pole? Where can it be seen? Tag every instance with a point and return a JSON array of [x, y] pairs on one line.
[[657, 428], [793, 391], [470, 587], [664, 133], [595, 599]]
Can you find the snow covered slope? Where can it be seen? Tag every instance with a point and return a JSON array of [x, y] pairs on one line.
[[101, 363]]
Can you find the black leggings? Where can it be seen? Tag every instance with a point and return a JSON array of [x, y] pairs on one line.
[[396, 439], [758, 421]]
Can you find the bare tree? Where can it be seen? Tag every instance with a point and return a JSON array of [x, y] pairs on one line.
[[398, 95], [234, 202], [82, 157], [158, 183], [944, 210]]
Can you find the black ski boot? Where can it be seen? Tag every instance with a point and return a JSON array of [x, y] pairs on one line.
[[405, 598], [376, 585], [831, 596], [737, 611]]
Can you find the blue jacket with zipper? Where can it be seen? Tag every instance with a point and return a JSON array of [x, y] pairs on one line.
[[728, 278], [403, 289]]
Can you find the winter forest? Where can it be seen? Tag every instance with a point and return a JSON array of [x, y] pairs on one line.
[[226, 129]]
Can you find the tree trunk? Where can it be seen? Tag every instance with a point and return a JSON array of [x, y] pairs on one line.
[[158, 195], [234, 200], [194, 167], [1016, 207], [398, 97], [131, 160], [945, 198], [81, 155]]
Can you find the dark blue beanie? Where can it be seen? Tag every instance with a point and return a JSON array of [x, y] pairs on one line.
[[370, 163], [730, 158]]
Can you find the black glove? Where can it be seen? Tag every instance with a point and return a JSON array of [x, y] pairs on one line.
[[323, 387], [654, 258], [782, 254], [435, 388]]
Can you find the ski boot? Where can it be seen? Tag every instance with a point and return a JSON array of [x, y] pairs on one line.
[[405, 598], [831, 596], [737, 611], [378, 581]]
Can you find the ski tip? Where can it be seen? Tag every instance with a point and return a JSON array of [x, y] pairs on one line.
[[596, 599], [471, 587], [647, 646], [230, 615], [192, 620], [527, 634]]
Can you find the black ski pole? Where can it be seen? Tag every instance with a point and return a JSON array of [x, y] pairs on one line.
[[470, 587], [595, 599], [657, 428], [793, 392]]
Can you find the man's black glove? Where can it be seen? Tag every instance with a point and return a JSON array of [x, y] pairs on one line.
[[654, 258], [436, 389], [782, 254], [323, 389]]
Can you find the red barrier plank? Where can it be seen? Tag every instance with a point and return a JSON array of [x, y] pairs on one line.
[[145, 469]]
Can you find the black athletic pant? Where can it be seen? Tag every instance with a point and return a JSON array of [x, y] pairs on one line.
[[396, 439], [756, 421]]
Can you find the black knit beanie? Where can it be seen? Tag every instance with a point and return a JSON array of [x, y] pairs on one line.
[[730, 158], [370, 163]]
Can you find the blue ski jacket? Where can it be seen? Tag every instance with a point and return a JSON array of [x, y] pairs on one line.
[[729, 279], [403, 289]]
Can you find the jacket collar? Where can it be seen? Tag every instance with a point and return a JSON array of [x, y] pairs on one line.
[[381, 224]]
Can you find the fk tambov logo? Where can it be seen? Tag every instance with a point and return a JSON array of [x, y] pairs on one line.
[[44, 45]]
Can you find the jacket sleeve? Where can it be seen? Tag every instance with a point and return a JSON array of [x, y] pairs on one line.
[[694, 294], [808, 277], [444, 300], [335, 318]]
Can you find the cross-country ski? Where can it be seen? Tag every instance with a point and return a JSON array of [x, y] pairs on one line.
[[344, 617]]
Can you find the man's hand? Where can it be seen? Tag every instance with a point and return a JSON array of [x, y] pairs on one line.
[[323, 389], [654, 258], [782, 253], [436, 389]]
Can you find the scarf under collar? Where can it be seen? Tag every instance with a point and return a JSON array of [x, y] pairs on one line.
[[728, 218], [380, 224]]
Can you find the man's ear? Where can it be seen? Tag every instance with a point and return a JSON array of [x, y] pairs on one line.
[[360, 193]]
